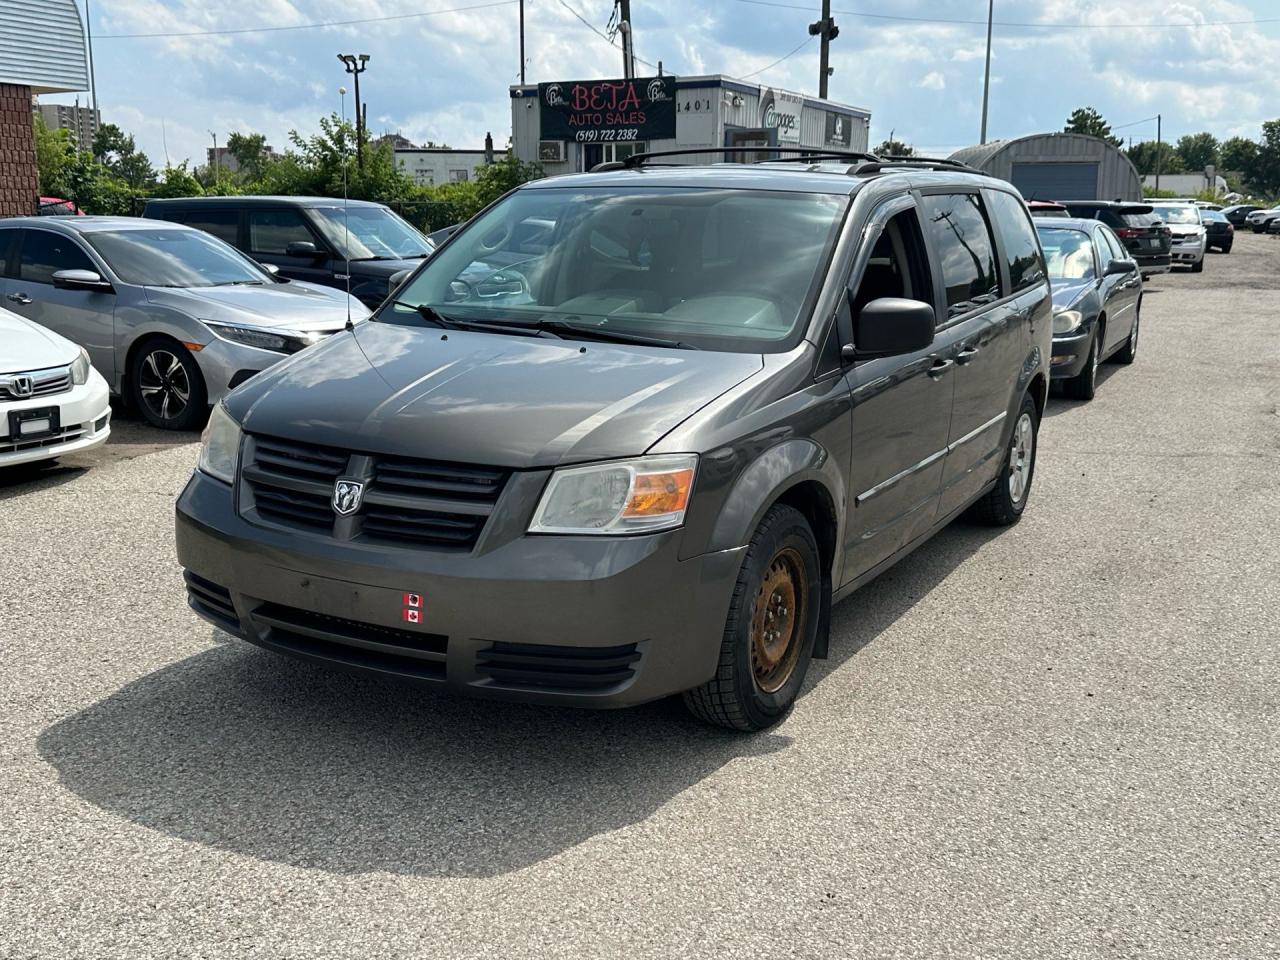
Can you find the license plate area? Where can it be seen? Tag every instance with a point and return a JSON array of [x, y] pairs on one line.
[[37, 423]]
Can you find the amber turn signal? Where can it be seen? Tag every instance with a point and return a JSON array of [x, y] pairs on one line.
[[656, 494]]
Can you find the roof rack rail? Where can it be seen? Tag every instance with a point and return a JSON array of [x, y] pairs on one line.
[[921, 163], [799, 154]]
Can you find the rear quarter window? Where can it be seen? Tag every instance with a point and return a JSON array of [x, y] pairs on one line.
[[1022, 247]]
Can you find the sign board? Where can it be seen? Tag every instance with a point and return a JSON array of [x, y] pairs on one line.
[[608, 111], [839, 130], [780, 110]]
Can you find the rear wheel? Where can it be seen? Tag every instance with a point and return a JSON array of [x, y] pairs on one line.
[[769, 635], [1085, 383], [167, 387], [1003, 505]]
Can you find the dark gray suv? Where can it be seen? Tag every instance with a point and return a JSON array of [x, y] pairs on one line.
[[641, 449]]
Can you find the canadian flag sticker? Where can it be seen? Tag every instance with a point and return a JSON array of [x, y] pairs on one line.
[[413, 600], [413, 616]]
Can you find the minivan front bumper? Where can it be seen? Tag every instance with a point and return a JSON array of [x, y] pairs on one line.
[[584, 621]]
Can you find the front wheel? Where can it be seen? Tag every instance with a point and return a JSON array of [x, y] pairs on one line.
[[1085, 383], [769, 635], [167, 387], [1198, 266], [1129, 352], [1004, 503]]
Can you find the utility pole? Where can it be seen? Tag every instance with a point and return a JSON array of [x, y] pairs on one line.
[[522, 43], [1159, 150], [827, 30], [986, 76], [357, 64], [93, 83], [628, 41], [216, 164]]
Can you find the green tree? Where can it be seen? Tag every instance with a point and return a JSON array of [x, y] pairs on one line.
[[507, 173], [1239, 155], [1265, 175], [177, 182], [250, 151], [1198, 150], [55, 153], [1144, 156], [117, 151], [1089, 121], [894, 148]]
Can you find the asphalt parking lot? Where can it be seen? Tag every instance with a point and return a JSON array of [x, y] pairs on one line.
[[1059, 740]]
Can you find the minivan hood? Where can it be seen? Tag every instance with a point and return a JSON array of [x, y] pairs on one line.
[[481, 398], [293, 305], [28, 346]]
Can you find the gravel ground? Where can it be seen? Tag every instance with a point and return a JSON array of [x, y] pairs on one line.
[[1059, 740]]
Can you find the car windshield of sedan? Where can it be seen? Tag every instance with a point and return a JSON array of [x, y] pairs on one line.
[[175, 258], [370, 233], [676, 266], [1068, 253], [1178, 214]]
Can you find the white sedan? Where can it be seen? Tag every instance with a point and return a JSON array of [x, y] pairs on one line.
[[52, 401]]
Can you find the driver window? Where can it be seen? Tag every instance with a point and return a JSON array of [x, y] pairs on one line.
[[897, 266]]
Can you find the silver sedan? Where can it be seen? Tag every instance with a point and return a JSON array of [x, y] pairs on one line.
[[172, 317]]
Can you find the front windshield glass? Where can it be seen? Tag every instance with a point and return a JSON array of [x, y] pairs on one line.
[[711, 268], [1178, 214], [175, 258], [1069, 253], [370, 233]]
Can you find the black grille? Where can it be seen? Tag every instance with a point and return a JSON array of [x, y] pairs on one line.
[[534, 666], [207, 598], [406, 502], [66, 435], [354, 642]]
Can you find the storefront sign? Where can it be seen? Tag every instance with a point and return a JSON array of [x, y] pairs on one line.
[[608, 111], [781, 110], [839, 129]]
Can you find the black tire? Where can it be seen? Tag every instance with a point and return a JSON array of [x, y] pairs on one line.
[[166, 386], [1000, 507], [1129, 352], [1085, 383], [754, 686], [1227, 248], [1198, 266]]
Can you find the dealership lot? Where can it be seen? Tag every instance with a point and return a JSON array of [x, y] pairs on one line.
[[1055, 740]]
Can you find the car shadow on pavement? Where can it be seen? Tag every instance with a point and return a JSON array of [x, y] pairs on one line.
[[1060, 403], [288, 762]]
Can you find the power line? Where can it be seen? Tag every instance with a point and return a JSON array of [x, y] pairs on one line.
[[1133, 123], [1016, 23], [592, 27], [804, 43], [306, 26]]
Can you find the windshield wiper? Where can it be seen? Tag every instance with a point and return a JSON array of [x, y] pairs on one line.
[[438, 319], [240, 283], [612, 336]]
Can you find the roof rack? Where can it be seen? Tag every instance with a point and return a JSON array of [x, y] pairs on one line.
[[919, 163], [799, 154]]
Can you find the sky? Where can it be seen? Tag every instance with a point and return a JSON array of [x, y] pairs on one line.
[[916, 64]]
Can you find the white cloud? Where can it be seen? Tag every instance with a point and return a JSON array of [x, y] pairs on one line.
[[933, 80]]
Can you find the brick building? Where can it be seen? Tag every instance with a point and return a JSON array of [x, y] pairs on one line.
[[47, 59]]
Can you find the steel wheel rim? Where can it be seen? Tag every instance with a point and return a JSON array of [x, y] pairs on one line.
[[164, 384], [777, 619], [1021, 450]]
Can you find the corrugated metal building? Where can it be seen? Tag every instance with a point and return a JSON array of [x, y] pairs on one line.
[[42, 50], [711, 111], [1058, 166]]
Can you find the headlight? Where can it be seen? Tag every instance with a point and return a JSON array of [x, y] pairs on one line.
[[80, 368], [1067, 320], [624, 496], [262, 338], [219, 446]]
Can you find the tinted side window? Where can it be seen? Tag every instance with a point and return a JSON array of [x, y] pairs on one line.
[[223, 224], [270, 231], [44, 254], [6, 239], [1022, 249], [958, 229]]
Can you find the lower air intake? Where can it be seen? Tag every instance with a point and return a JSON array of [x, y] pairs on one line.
[[533, 666]]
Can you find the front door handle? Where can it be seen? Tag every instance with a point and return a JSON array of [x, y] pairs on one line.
[[967, 354], [21, 298], [940, 367]]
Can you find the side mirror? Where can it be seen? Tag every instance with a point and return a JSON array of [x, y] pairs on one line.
[[271, 268], [81, 280], [892, 326], [301, 248], [1120, 268]]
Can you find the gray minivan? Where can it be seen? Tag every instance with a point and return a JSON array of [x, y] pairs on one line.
[[645, 456]]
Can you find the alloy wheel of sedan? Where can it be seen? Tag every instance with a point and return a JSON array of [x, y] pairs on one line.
[[167, 387]]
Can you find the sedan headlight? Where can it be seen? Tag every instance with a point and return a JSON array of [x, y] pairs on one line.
[[219, 446], [1064, 321], [620, 497], [279, 341], [80, 368]]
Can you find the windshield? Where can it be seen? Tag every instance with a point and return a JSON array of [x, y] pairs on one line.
[[375, 233], [1178, 214], [1068, 253], [175, 258], [717, 269]]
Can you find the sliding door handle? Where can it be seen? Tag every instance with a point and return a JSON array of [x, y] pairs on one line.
[[940, 367]]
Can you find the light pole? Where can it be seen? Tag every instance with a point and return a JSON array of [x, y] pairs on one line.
[[827, 30], [357, 64], [216, 164], [986, 76]]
